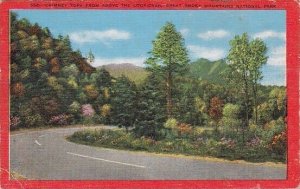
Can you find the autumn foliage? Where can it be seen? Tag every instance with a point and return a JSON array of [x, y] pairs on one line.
[[18, 89], [216, 108]]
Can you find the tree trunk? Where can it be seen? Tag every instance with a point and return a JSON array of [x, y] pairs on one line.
[[246, 106], [247, 103], [255, 102], [169, 95]]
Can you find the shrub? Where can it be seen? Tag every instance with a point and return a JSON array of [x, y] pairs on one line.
[[105, 110], [171, 123], [231, 115], [33, 120], [254, 142], [91, 91], [273, 128], [74, 108], [14, 122], [184, 129], [228, 142], [87, 110], [51, 107], [278, 143], [61, 119]]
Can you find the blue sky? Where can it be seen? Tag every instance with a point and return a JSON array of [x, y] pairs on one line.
[[125, 36]]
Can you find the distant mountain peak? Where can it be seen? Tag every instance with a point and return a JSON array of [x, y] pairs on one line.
[[133, 72], [122, 65]]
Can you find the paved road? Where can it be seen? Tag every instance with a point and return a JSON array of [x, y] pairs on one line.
[[47, 155]]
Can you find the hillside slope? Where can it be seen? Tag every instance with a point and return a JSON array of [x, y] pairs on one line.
[[201, 69], [208, 70], [134, 73]]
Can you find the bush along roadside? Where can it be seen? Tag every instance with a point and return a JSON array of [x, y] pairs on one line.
[[190, 141]]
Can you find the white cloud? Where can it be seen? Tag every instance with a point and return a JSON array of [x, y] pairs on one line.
[[206, 52], [277, 56], [270, 34], [89, 36], [184, 31], [213, 34], [138, 61]]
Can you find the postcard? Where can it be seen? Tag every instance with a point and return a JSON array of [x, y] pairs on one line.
[[149, 94]]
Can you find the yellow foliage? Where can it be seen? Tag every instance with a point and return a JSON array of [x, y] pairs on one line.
[[91, 91], [52, 82], [105, 110], [22, 34], [252, 127], [106, 93], [200, 105], [73, 83]]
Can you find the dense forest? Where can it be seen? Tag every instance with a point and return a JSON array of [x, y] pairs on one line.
[[220, 105]]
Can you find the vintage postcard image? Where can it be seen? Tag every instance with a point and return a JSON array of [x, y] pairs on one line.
[[161, 95]]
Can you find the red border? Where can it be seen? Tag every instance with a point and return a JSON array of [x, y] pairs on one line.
[[292, 13]]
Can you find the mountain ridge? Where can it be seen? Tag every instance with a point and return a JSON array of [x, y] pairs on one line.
[[200, 69]]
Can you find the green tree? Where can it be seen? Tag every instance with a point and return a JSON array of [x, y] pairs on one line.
[[168, 57], [231, 114], [201, 109], [90, 57], [245, 61], [258, 58], [186, 110], [124, 103], [150, 115], [277, 100], [238, 58]]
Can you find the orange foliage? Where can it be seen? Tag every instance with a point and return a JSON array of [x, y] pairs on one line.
[[47, 43], [18, 89], [54, 65], [215, 110], [184, 129], [34, 30], [81, 63], [279, 143]]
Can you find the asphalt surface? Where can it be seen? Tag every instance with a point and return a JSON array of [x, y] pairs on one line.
[[47, 155]]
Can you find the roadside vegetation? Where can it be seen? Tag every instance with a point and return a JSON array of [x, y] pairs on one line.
[[204, 108]]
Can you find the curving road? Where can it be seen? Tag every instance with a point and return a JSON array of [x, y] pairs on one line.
[[46, 155]]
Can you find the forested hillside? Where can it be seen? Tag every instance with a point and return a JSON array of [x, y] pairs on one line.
[[49, 80], [208, 70]]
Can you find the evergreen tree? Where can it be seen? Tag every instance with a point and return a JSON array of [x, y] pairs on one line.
[[168, 58], [103, 78], [150, 115], [124, 104], [90, 57]]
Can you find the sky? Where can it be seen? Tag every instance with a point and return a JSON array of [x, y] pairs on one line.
[[122, 36]]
